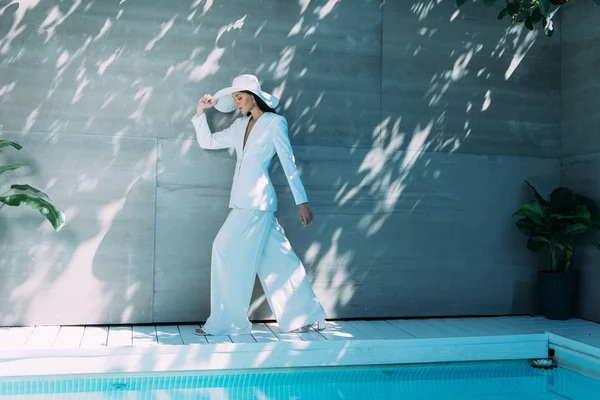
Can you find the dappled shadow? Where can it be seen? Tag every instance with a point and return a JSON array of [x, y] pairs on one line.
[[393, 110]]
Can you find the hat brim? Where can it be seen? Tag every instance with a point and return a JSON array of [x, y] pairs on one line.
[[226, 104]]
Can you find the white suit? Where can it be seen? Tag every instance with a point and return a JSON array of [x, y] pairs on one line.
[[252, 187], [251, 240]]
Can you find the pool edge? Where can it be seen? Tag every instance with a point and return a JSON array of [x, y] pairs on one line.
[[250, 356], [575, 356]]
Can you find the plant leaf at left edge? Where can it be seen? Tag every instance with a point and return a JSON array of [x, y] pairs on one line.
[[55, 216]]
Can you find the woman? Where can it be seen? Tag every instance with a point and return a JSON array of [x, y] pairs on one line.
[[251, 240]]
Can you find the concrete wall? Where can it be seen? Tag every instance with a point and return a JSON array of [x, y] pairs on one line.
[[414, 126], [580, 129]]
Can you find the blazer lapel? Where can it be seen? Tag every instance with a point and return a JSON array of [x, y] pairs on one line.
[[257, 129]]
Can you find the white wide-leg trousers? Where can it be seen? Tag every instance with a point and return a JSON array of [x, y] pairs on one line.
[[252, 242]]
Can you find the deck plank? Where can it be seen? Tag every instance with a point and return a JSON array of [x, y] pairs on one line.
[[169, 335], [94, 336], [242, 338], [120, 336], [16, 336], [342, 330], [283, 336], [43, 336], [380, 330], [69, 337], [144, 335], [188, 335], [262, 334], [218, 339]]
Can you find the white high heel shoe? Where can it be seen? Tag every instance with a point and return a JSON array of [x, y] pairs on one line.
[[320, 326]]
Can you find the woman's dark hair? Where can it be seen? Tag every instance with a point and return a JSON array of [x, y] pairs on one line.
[[260, 103]]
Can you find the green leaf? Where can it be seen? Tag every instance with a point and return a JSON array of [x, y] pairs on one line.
[[584, 214], [523, 15], [536, 15], [544, 7], [525, 226], [47, 209], [10, 167], [575, 229], [512, 9], [540, 239], [503, 13], [536, 194], [596, 246], [561, 201], [529, 23], [534, 211], [585, 201], [535, 245], [4, 143], [28, 188], [561, 216]]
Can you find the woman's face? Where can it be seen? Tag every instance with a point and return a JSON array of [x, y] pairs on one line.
[[243, 101]]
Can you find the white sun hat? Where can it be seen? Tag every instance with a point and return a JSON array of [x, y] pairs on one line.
[[247, 82]]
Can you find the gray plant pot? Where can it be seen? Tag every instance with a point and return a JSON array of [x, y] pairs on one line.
[[557, 294]]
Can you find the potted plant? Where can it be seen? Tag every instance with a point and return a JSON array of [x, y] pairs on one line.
[[552, 224], [28, 195]]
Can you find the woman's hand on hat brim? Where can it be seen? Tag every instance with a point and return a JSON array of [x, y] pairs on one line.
[[204, 103]]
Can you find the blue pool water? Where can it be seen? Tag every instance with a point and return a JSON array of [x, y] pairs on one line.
[[487, 381]]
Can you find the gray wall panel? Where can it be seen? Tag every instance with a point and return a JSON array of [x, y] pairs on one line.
[[139, 68], [580, 128], [99, 268], [467, 83], [580, 79], [582, 174]]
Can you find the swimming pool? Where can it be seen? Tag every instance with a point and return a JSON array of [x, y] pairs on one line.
[[484, 380]]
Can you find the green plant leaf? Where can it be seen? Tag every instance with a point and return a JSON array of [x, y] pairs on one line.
[[541, 239], [47, 209], [13, 166], [583, 214], [523, 15], [561, 216], [4, 143], [544, 7], [536, 15], [525, 226], [503, 13], [529, 23], [562, 201], [596, 246], [575, 229], [586, 201], [27, 188], [534, 211], [535, 245], [595, 219], [536, 194], [512, 9]]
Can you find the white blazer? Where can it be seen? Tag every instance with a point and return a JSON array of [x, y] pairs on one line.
[[252, 187]]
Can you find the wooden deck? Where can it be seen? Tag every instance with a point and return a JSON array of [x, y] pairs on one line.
[[45, 337], [42, 350]]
